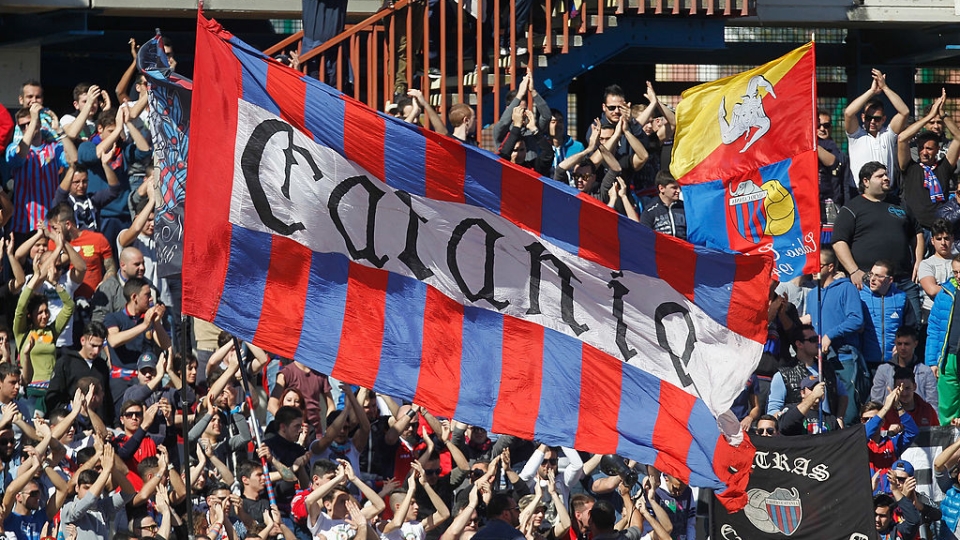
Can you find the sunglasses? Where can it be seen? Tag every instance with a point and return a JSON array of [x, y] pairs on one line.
[[553, 461], [584, 176], [613, 108], [134, 414], [23, 126], [766, 431], [432, 471], [813, 339], [873, 118], [826, 125], [7, 441]]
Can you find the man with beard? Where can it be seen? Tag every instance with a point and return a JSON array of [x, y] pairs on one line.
[[869, 229], [926, 180], [109, 295]]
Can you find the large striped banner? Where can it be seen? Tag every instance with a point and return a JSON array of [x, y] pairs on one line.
[[404, 261]]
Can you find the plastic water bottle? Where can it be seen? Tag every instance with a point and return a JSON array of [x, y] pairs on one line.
[[831, 210]]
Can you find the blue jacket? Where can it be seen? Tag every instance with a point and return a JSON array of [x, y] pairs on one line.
[[938, 324], [950, 508], [884, 316], [842, 314]]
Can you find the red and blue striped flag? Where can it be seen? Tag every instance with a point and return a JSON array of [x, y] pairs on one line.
[[402, 260]]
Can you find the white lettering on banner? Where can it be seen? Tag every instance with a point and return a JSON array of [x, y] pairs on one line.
[[799, 466], [287, 184]]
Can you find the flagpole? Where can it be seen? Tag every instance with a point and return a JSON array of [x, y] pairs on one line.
[[814, 126], [185, 423]]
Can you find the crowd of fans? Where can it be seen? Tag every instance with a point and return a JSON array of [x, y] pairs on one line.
[[92, 394]]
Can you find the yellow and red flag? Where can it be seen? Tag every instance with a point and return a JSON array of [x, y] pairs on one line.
[[746, 153]]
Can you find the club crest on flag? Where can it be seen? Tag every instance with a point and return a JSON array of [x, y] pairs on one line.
[[777, 512], [756, 211], [748, 114]]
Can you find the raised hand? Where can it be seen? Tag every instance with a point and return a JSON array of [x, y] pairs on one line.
[[594, 134], [133, 48], [417, 469], [650, 94], [150, 414]]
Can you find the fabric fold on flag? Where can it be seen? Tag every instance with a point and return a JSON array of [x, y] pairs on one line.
[[745, 152], [404, 261]]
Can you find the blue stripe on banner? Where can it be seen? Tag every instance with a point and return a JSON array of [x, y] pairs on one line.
[[323, 312], [323, 115], [639, 391], [700, 456], [636, 242], [481, 186], [706, 220], [561, 224], [562, 361], [713, 283], [402, 336], [789, 244], [246, 279], [254, 72], [404, 157], [480, 363]]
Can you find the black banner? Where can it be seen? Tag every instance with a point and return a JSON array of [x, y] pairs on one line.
[[813, 487]]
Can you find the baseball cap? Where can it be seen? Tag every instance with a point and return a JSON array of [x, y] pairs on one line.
[[901, 465], [147, 360], [809, 383]]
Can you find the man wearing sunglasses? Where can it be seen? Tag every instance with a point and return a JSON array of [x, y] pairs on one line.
[[27, 514], [545, 459], [834, 185], [874, 141], [786, 386]]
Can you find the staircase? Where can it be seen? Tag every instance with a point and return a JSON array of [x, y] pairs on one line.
[[568, 42]]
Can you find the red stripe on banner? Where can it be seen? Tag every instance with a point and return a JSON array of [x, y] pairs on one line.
[[445, 168], [521, 201], [600, 384], [286, 86], [675, 266], [207, 229], [599, 241], [363, 136], [743, 317], [361, 339], [439, 382], [521, 376], [671, 433], [284, 297]]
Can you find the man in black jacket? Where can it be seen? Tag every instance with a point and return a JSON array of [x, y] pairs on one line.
[[73, 365], [665, 215]]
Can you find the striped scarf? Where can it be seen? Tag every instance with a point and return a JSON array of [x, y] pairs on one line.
[[932, 183]]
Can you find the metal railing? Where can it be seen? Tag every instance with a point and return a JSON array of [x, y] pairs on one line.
[[366, 54]]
